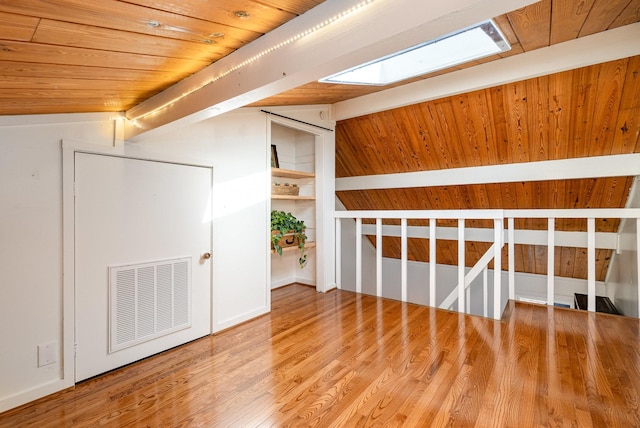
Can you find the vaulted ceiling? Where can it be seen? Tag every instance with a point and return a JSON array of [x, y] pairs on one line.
[[545, 23], [590, 111], [70, 56], [66, 56]]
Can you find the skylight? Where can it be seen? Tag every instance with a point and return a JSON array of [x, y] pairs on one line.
[[478, 41]]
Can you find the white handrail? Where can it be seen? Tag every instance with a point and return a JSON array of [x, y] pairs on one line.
[[489, 214]]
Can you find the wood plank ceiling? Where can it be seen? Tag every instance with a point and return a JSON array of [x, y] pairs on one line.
[[545, 23], [591, 111], [69, 56]]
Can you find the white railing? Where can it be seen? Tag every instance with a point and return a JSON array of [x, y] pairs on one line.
[[589, 239]]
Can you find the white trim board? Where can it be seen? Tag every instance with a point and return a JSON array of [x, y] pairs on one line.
[[563, 169], [59, 118], [595, 49]]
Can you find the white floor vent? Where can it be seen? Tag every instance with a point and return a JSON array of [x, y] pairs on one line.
[[147, 301]]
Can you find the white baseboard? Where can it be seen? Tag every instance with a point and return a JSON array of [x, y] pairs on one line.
[[32, 394], [223, 325], [291, 280]]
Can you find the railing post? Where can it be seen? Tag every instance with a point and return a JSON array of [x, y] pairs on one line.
[[358, 255], [512, 258], [638, 259], [485, 291], [339, 253], [498, 230], [591, 264], [551, 263], [405, 256], [461, 262], [432, 262], [379, 257]]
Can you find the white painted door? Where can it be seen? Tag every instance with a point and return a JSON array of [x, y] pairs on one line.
[[130, 212]]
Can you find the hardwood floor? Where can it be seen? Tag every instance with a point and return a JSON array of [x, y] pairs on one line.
[[341, 359]]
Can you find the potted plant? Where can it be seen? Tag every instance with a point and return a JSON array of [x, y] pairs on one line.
[[285, 225]]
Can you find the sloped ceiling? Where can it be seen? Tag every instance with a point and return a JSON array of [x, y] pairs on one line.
[[544, 23], [71, 56], [591, 111]]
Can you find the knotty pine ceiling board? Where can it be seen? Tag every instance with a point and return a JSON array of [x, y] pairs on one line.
[[592, 111], [260, 17], [294, 6], [17, 27], [532, 25], [104, 39], [66, 55], [135, 19]]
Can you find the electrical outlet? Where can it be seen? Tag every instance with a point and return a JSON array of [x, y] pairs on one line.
[[47, 353]]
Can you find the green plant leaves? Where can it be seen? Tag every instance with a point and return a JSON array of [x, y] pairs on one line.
[[283, 223]]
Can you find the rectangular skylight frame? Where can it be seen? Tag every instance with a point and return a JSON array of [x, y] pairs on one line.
[[477, 41]]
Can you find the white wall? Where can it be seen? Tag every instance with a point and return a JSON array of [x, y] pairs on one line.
[[31, 252], [236, 145], [31, 228], [623, 281]]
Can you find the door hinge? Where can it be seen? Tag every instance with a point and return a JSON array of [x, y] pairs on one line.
[[75, 349]]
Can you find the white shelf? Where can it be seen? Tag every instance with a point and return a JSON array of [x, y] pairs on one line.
[[307, 245], [289, 173], [293, 198]]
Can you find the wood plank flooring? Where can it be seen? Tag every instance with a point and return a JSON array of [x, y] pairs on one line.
[[342, 359]]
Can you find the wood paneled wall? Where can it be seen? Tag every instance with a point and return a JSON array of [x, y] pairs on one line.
[[591, 111]]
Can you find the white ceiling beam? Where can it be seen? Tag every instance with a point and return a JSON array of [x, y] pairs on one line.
[[563, 169], [595, 49], [377, 29]]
